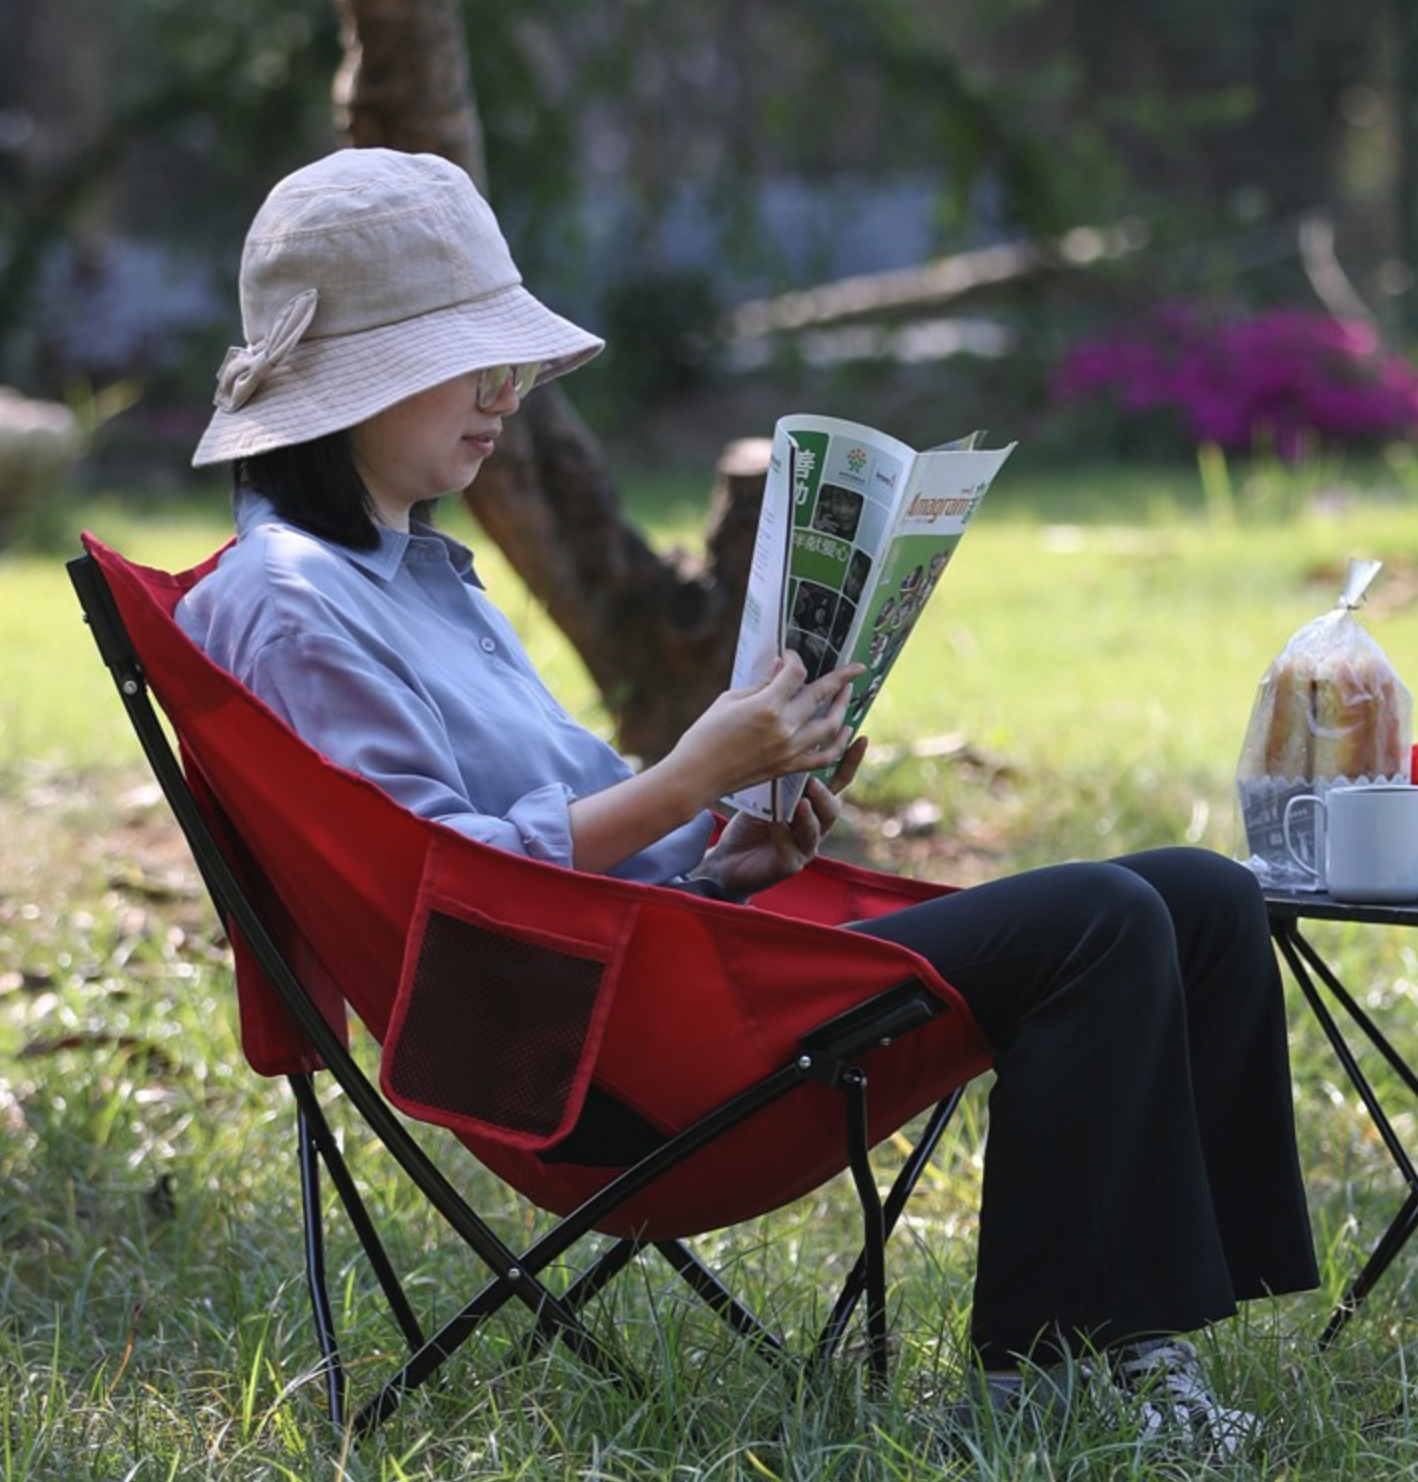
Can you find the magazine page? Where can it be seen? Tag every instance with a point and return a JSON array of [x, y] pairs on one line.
[[760, 639], [946, 488], [828, 510], [873, 527]]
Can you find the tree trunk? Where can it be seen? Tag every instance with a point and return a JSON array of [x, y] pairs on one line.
[[656, 633], [404, 81]]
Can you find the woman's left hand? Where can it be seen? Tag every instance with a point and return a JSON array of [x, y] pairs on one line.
[[753, 854]]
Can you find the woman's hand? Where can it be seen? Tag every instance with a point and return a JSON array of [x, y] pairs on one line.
[[747, 736], [753, 854], [766, 730]]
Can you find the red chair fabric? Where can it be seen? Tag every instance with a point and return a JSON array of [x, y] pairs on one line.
[[501, 988]]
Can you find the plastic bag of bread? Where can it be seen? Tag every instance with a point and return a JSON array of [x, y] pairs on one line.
[[1330, 709]]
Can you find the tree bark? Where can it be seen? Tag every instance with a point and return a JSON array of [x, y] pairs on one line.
[[656, 633], [404, 81]]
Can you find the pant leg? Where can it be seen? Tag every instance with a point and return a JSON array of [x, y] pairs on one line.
[[1239, 1043], [1097, 1217]]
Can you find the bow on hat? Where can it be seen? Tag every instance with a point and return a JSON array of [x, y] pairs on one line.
[[244, 370]]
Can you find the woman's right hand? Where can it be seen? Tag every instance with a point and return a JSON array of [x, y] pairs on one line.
[[746, 736], [761, 731]]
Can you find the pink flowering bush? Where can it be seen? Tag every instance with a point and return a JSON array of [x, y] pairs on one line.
[[1282, 379]]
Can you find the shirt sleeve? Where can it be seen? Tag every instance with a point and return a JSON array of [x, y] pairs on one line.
[[348, 706]]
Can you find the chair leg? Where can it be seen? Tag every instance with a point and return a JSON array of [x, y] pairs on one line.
[[595, 1278], [871, 1259], [701, 1280], [904, 1186], [315, 1275], [719, 1299], [854, 1084], [313, 1119], [600, 1273], [553, 1320]]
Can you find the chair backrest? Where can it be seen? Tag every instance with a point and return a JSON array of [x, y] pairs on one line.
[[500, 986]]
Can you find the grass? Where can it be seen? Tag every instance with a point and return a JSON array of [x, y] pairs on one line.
[[1083, 689]]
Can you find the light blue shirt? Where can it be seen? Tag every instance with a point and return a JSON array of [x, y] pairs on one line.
[[395, 663]]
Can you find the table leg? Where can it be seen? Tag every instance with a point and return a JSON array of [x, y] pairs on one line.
[[1306, 965], [1393, 1241]]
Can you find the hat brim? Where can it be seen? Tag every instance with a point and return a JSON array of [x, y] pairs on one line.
[[338, 381]]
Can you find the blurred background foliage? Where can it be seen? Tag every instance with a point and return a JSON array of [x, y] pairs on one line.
[[660, 163]]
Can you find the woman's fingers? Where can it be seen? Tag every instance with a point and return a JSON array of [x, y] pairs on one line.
[[836, 688], [846, 769], [783, 725], [787, 675], [823, 706], [808, 825], [824, 803]]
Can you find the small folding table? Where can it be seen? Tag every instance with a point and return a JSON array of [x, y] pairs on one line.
[[1321, 987]]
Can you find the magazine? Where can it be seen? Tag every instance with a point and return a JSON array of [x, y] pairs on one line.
[[855, 532]]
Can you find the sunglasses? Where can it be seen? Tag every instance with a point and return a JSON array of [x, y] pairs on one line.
[[495, 379]]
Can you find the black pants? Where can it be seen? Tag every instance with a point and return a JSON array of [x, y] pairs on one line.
[[1141, 1174]]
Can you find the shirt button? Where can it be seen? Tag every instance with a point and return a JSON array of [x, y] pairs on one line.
[[488, 645]]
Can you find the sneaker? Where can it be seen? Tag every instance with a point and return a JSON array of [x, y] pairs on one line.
[[1164, 1376]]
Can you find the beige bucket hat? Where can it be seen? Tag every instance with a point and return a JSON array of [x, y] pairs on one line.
[[366, 277]]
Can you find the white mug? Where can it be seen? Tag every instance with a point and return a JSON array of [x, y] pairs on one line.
[[1370, 841]]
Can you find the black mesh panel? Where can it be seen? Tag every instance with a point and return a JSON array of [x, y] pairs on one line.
[[494, 1026]]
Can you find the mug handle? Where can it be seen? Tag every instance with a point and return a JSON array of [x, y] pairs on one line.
[[1304, 797]]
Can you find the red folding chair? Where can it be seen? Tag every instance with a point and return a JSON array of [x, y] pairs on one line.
[[523, 1005]]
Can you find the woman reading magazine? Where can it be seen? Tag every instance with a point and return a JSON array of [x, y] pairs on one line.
[[1141, 1176]]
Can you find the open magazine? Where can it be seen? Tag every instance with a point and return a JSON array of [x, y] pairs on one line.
[[855, 532]]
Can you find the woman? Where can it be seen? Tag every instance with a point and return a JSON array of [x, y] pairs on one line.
[[1142, 1174]]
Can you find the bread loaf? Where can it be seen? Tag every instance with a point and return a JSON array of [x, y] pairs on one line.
[[1289, 749], [1337, 715]]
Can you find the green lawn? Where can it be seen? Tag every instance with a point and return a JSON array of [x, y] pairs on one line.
[[1082, 688]]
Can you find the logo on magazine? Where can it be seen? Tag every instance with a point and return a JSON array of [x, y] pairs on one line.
[[856, 460], [930, 510]]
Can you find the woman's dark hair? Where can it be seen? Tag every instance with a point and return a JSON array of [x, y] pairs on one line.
[[316, 485]]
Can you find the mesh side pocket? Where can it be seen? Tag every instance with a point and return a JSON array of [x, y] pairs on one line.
[[493, 1029]]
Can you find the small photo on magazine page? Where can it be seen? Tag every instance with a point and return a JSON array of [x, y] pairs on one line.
[[858, 570], [838, 512], [813, 608]]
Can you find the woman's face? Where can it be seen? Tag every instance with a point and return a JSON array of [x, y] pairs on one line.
[[429, 444]]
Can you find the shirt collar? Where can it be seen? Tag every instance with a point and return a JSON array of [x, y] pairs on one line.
[[252, 509]]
